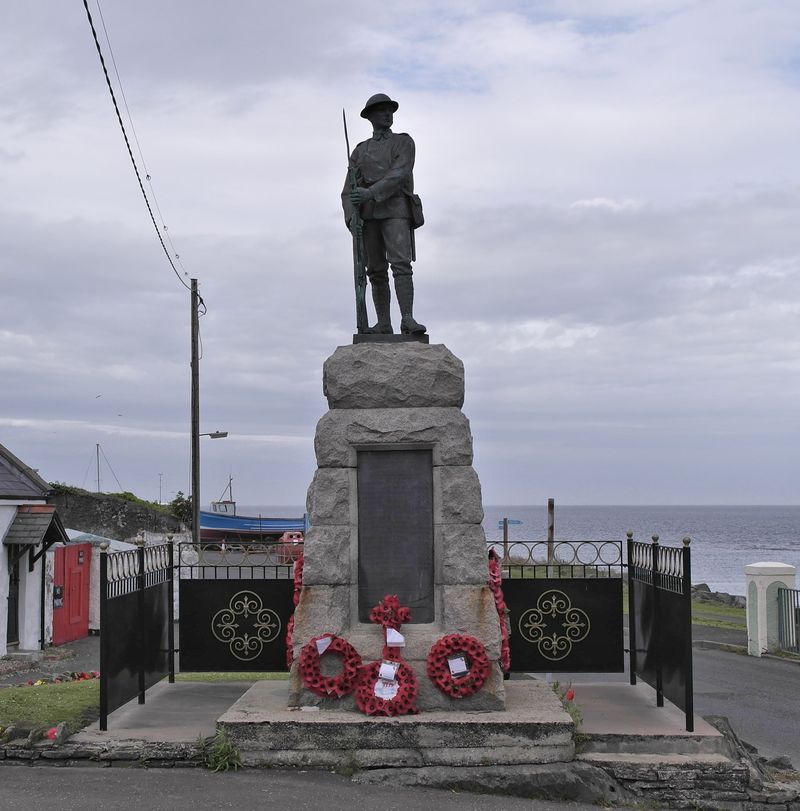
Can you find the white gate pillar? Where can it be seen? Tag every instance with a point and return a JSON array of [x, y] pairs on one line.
[[763, 581]]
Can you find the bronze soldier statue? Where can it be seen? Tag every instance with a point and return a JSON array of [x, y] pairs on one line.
[[383, 195]]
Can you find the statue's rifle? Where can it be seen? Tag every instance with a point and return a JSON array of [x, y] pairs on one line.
[[356, 228]]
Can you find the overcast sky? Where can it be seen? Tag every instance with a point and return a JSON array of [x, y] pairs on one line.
[[612, 245]]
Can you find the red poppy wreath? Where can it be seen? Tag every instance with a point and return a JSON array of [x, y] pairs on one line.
[[376, 696], [458, 665], [329, 686]]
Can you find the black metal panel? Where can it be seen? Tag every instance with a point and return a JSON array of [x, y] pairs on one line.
[[565, 625], [395, 530], [135, 624], [661, 621], [643, 621], [676, 640], [155, 661], [234, 625], [121, 650]]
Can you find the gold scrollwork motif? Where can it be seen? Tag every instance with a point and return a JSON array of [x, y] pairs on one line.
[[554, 625], [245, 625]]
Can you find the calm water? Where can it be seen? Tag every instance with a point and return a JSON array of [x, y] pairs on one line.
[[724, 539]]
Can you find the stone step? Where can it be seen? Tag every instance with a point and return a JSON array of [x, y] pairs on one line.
[[656, 758], [656, 745], [533, 729]]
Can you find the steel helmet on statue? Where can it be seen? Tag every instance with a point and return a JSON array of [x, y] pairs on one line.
[[374, 101]]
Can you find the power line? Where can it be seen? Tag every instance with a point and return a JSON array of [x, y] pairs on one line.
[[128, 145], [147, 176]]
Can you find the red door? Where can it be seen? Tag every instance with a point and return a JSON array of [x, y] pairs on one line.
[[71, 592]]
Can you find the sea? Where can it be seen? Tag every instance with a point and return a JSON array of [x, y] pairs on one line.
[[723, 539]]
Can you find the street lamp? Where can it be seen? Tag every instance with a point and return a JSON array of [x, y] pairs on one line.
[[196, 481]]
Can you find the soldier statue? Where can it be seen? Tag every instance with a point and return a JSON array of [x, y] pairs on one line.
[[380, 188]]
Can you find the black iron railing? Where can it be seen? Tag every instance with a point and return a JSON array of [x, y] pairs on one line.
[[137, 644], [660, 621], [563, 559], [252, 560]]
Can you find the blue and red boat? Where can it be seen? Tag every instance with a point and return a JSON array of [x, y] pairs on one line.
[[221, 525]]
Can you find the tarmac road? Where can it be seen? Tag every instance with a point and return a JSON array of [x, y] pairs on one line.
[[760, 697], [79, 789]]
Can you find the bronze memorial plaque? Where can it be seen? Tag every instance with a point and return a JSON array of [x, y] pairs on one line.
[[395, 530]]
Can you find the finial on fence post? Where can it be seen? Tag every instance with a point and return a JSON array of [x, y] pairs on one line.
[[629, 534], [104, 547], [654, 539], [687, 540]]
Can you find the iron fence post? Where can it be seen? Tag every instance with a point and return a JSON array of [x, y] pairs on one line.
[[657, 624], [140, 586], [171, 611], [687, 591], [103, 637], [631, 613]]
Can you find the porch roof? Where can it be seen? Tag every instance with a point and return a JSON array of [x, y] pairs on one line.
[[34, 524]]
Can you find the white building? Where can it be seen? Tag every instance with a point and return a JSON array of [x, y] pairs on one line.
[[29, 526]]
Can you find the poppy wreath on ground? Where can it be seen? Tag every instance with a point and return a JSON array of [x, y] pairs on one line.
[[330, 686], [458, 645], [496, 586], [298, 585]]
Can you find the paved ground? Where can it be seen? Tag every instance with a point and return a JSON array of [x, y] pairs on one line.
[[83, 655]]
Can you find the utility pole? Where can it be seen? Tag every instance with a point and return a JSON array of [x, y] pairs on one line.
[[195, 460], [160, 480], [97, 454]]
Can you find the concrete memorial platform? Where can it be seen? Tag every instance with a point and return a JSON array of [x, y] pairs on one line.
[[534, 728]]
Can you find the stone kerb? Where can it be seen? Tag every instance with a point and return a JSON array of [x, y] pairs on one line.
[[397, 396]]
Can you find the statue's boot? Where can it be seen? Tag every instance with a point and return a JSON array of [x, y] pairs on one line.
[[404, 289], [382, 299]]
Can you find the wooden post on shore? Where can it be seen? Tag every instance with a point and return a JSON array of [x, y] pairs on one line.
[[551, 529]]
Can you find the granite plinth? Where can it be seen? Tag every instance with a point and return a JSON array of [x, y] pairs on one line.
[[389, 402], [396, 375]]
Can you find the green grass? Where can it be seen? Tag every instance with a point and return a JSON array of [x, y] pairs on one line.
[[721, 611], [206, 677], [712, 615], [77, 703]]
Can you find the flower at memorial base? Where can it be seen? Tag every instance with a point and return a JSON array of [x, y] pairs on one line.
[[570, 695], [51, 733], [29, 682]]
